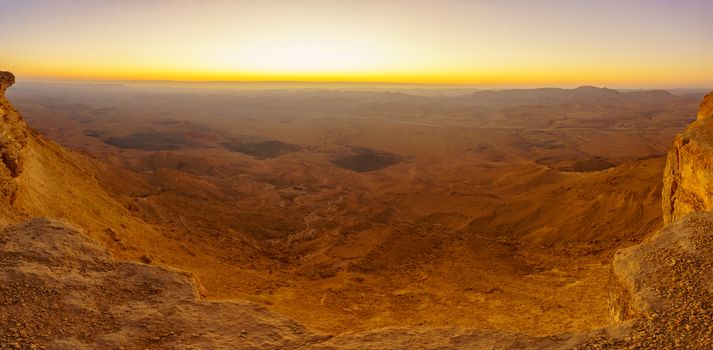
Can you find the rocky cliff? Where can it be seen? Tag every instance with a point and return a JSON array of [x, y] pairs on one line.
[[688, 177], [39, 178], [13, 131], [13, 139], [706, 110]]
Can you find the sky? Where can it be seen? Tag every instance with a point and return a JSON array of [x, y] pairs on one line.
[[615, 43]]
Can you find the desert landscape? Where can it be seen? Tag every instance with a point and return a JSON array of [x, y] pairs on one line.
[[353, 210], [313, 174], [341, 218]]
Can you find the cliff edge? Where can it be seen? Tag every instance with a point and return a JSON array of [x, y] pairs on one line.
[[13, 143], [39, 178], [13, 131], [706, 110], [688, 176]]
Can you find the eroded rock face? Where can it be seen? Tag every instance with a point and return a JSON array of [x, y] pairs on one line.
[[688, 176], [706, 110], [13, 131]]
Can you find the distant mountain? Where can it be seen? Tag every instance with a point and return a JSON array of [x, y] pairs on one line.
[[582, 94]]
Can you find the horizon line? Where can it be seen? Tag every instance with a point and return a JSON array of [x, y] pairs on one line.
[[387, 83]]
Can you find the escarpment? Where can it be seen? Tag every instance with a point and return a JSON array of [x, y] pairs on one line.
[[688, 176], [13, 139], [39, 178], [13, 131], [706, 110]]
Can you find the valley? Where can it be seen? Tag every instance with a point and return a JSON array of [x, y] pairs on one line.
[[353, 210]]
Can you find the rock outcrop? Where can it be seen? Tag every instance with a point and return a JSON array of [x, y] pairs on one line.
[[688, 176], [13, 131], [706, 110], [7, 79], [13, 139]]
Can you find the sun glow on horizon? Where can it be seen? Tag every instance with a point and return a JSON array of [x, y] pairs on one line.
[[545, 42]]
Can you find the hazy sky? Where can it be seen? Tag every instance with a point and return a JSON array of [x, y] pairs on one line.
[[496, 42]]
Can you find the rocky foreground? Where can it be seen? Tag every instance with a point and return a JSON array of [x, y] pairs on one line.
[[60, 290], [667, 289]]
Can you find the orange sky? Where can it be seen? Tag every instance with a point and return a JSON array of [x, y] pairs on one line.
[[506, 42]]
